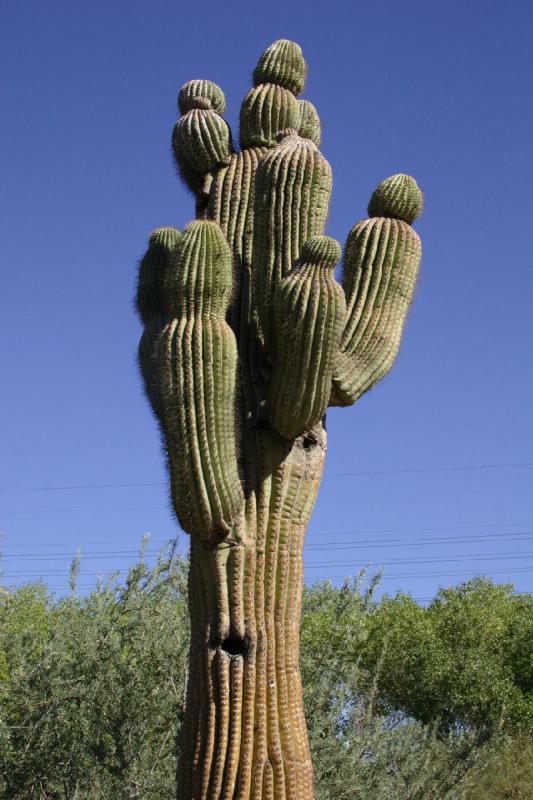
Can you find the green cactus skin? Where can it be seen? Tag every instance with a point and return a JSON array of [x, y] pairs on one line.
[[201, 138], [241, 397], [309, 316], [293, 187], [150, 293], [193, 91], [381, 262], [309, 122], [196, 364], [266, 111], [398, 197], [282, 63]]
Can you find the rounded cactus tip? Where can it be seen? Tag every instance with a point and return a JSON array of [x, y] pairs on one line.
[[201, 94], [309, 122], [399, 197], [164, 237], [207, 226], [209, 234], [321, 250], [282, 63]]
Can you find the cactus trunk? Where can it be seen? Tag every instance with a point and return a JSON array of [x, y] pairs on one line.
[[244, 732], [247, 338]]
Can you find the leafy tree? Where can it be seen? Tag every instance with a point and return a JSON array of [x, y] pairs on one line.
[[464, 661], [362, 751]]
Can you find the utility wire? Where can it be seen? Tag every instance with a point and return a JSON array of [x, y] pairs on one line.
[[519, 536], [311, 534], [320, 564], [445, 574], [401, 471], [424, 560], [384, 577], [166, 508]]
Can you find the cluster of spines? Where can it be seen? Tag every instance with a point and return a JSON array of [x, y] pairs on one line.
[[381, 261], [309, 315]]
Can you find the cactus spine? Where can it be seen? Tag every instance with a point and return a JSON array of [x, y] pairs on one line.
[[247, 338]]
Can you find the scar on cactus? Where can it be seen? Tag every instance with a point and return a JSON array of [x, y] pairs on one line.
[[248, 338]]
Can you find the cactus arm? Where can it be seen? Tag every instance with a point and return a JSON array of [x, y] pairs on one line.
[[150, 307], [201, 139], [309, 314], [292, 191], [197, 361], [381, 261]]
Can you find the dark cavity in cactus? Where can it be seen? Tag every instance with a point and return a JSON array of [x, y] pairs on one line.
[[247, 339]]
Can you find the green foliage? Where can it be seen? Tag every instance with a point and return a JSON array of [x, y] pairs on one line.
[[466, 660], [361, 751], [92, 686], [92, 690], [509, 776]]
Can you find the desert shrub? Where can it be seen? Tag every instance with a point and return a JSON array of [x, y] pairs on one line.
[[91, 689]]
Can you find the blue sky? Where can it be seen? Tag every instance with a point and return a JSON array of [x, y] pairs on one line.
[[441, 91]]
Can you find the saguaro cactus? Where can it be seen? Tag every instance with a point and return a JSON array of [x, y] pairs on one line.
[[248, 338]]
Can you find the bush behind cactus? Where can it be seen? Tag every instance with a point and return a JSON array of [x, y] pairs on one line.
[[91, 689]]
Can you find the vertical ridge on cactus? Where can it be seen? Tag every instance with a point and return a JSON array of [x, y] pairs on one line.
[[247, 338]]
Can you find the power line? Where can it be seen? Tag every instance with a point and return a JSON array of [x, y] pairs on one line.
[[525, 555], [311, 534], [168, 510], [424, 560], [383, 577], [402, 471], [445, 574], [79, 586], [347, 545], [371, 544], [80, 486]]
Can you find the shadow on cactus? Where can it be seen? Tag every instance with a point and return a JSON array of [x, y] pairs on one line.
[[247, 340]]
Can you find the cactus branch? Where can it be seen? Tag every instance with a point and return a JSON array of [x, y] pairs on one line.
[[309, 314], [381, 261]]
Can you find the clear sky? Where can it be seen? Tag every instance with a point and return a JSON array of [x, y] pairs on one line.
[[438, 90]]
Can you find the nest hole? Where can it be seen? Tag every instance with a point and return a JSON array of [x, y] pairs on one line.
[[308, 441], [235, 645]]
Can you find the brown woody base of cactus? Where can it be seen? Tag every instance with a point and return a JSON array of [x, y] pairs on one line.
[[244, 734]]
